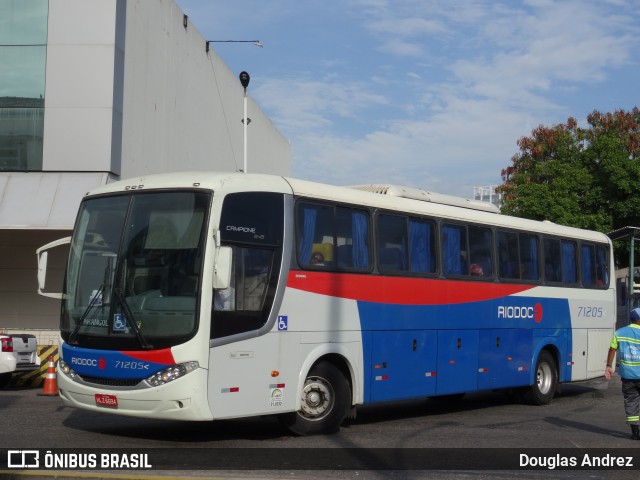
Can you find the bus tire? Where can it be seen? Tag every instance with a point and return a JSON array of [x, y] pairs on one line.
[[326, 398], [545, 381]]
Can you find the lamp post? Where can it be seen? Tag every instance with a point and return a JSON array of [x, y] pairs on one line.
[[244, 81]]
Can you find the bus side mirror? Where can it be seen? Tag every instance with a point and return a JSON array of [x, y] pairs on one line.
[[43, 255], [42, 270], [222, 268]]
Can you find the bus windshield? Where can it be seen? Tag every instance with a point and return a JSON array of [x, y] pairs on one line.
[[134, 271]]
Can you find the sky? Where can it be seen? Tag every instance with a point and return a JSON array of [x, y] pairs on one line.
[[432, 94]]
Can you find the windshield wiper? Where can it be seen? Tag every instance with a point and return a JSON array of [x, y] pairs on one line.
[[92, 303], [130, 319]]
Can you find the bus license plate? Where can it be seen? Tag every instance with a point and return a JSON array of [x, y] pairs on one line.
[[103, 400]]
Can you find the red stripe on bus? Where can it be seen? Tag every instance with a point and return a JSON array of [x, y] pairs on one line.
[[399, 290]]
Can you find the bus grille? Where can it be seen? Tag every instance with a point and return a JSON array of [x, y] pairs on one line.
[[111, 382]]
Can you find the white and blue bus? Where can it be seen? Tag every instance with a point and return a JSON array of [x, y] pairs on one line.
[[204, 296]]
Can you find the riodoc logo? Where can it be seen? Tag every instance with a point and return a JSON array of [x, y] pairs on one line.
[[537, 313], [91, 362], [521, 311], [101, 363]]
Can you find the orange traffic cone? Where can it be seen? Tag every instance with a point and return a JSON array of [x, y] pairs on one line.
[[50, 382]]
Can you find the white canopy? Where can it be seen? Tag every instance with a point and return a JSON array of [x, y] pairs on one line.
[[44, 200]]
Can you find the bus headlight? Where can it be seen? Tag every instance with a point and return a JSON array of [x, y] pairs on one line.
[[169, 374], [66, 369]]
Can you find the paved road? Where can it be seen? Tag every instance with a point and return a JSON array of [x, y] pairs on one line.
[[585, 417]]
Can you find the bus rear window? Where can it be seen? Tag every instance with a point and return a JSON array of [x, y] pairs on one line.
[[595, 271]]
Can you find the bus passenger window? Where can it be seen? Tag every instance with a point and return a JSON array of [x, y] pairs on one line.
[[508, 255], [422, 246], [454, 250], [529, 269], [602, 266], [552, 260], [329, 236], [315, 234], [594, 265], [480, 252], [569, 262], [399, 236], [392, 243], [588, 260], [518, 256], [352, 238]]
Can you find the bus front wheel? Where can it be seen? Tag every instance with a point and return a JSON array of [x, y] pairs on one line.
[[325, 400], [545, 382]]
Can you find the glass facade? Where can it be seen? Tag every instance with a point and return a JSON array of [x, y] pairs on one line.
[[23, 52]]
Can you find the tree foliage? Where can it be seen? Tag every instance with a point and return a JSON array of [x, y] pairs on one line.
[[582, 177]]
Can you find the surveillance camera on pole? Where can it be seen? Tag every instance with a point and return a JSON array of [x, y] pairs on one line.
[[244, 80]]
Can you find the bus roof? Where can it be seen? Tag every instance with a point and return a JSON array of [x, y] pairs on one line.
[[390, 197], [426, 196], [438, 209]]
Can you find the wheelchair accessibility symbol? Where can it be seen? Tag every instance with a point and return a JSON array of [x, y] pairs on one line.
[[119, 322], [283, 322]]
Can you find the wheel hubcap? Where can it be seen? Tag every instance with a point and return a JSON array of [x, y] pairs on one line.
[[544, 378], [317, 398]]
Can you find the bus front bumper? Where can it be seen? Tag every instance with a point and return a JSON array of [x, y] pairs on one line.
[[182, 399]]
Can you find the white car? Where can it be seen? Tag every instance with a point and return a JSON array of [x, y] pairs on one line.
[[18, 353]]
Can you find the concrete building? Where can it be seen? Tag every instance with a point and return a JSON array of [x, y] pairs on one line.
[[93, 91]]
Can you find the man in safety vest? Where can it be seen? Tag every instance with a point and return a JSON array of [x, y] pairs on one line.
[[626, 341]]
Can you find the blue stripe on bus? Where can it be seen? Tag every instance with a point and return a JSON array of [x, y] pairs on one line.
[[115, 364], [418, 353]]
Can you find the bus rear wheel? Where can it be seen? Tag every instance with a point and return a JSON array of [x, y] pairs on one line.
[[545, 382], [325, 400]]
